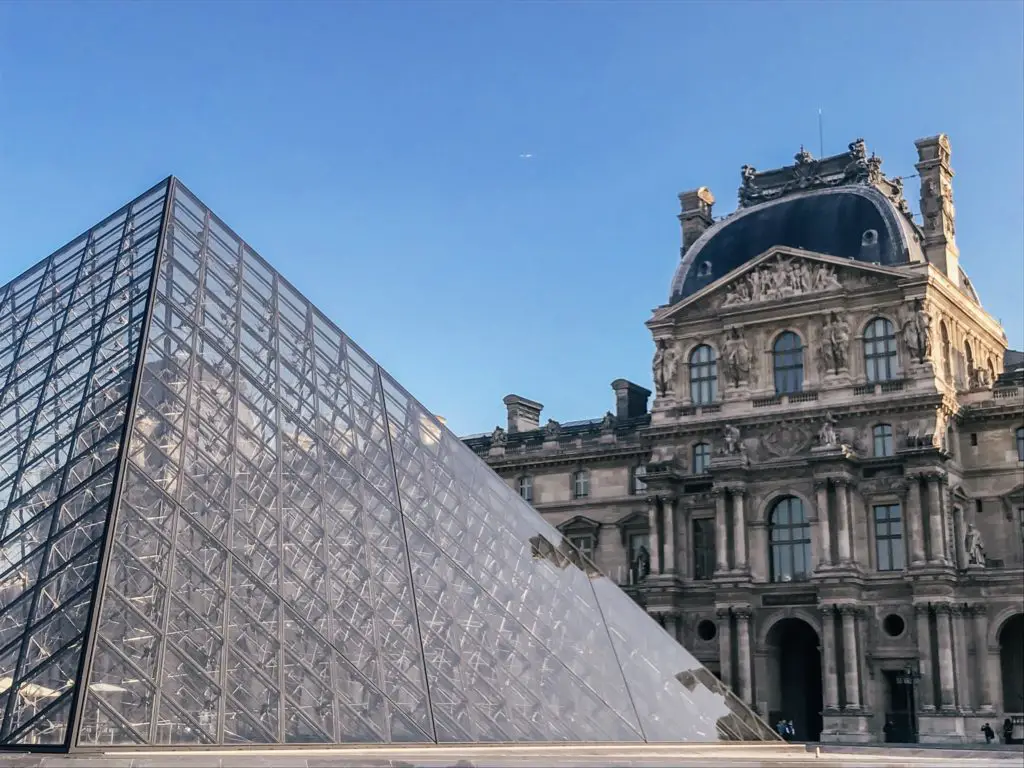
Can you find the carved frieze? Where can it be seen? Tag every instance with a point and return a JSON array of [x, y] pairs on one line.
[[782, 278], [784, 439]]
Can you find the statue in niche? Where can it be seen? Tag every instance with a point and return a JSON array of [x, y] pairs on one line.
[[552, 430], [641, 564], [664, 368], [835, 344], [733, 443], [827, 437], [735, 358], [917, 327], [498, 437], [974, 545]]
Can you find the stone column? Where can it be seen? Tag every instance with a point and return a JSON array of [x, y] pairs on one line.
[[830, 679], [964, 686], [947, 689], [672, 624], [842, 520], [936, 532], [914, 520], [985, 696], [724, 645], [668, 515], [684, 553], [925, 691], [960, 558], [739, 529], [654, 533], [744, 673], [824, 530], [721, 532], [851, 677]]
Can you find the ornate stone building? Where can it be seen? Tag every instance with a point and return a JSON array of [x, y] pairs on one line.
[[825, 502]]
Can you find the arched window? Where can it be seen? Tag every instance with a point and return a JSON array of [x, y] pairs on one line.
[[947, 366], [969, 359], [703, 375], [790, 540], [639, 484], [882, 439], [1020, 443], [880, 350], [788, 352], [526, 488], [580, 484], [701, 458]]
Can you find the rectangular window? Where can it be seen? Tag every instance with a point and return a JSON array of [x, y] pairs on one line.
[[703, 548], [701, 458], [581, 484], [889, 538], [974, 438], [584, 542], [526, 488]]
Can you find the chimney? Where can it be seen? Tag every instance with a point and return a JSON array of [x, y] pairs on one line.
[[523, 414], [696, 214], [630, 399], [937, 211]]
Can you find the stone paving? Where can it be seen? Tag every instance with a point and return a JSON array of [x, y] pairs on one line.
[[529, 756]]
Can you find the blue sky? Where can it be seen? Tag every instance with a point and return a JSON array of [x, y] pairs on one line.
[[371, 151]]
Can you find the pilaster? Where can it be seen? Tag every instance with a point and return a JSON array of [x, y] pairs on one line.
[[830, 679], [824, 529], [725, 645], [851, 666], [739, 528], [743, 654], [915, 518], [944, 633], [986, 695], [926, 697], [721, 532]]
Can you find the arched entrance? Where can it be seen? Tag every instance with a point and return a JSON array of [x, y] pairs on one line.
[[794, 669], [1011, 664]]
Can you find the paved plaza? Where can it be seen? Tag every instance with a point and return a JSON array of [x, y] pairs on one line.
[[528, 756]]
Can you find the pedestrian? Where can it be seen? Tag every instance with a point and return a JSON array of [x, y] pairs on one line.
[[1008, 731], [989, 733]]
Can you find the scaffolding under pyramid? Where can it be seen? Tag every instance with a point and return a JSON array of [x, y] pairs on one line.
[[221, 523]]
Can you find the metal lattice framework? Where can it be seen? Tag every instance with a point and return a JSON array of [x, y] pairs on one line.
[[222, 523]]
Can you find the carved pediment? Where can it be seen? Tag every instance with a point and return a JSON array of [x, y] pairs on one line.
[[579, 524], [783, 274]]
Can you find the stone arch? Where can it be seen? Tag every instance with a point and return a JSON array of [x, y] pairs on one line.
[[700, 342], [1011, 663], [804, 614], [872, 316], [999, 621], [795, 330], [792, 650], [768, 502]]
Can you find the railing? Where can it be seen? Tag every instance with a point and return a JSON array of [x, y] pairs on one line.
[[891, 386], [803, 397], [864, 389], [1009, 392], [766, 402]]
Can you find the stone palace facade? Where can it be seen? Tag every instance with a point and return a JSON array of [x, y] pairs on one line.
[[825, 502]]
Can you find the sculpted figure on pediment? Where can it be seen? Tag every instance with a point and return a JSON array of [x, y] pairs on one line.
[[735, 358], [781, 279]]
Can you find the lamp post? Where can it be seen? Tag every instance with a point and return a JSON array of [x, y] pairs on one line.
[[908, 678]]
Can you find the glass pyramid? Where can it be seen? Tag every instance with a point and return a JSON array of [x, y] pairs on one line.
[[221, 523]]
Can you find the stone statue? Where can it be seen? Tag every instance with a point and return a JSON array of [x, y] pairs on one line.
[[835, 344], [552, 430], [983, 377], [735, 358], [664, 368], [733, 445], [917, 332], [498, 437], [642, 564], [827, 437], [608, 422], [974, 545]]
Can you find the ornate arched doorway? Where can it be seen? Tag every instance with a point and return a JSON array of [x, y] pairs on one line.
[[794, 669], [1011, 664]]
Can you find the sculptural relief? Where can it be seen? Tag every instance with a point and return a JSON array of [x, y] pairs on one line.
[[916, 327], [784, 440], [780, 279], [735, 358], [664, 367]]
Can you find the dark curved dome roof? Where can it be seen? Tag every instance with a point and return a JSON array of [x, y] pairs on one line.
[[836, 222]]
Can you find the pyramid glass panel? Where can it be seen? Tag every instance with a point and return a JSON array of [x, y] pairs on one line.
[[70, 332], [290, 550]]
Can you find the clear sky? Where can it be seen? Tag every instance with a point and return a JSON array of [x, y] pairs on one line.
[[373, 152]]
